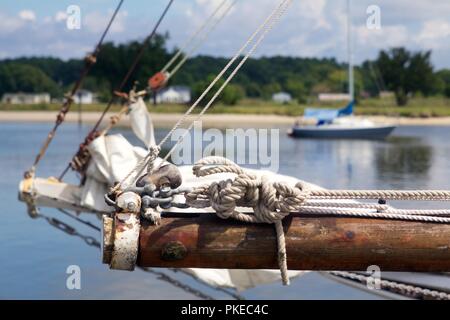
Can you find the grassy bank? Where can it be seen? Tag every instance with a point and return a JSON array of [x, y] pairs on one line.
[[416, 108]]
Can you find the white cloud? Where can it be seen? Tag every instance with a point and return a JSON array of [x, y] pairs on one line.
[[27, 15], [9, 24], [434, 34], [315, 10], [309, 28], [60, 16], [387, 36], [96, 22]]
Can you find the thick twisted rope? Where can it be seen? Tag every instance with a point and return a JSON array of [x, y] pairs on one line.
[[368, 214], [273, 201], [428, 195]]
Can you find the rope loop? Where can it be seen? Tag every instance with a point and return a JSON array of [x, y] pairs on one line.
[[270, 201]]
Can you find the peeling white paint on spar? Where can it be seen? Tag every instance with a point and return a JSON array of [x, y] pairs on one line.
[[108, 238], [126, 232]]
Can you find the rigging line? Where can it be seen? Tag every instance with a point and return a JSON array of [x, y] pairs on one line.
[[201, 40], [68, 229], [125, 79], [89, 62], [235, 57], [164, 277], [220, 289], [402, 288], [87, 223], [231, 76], [192, 37], [134, 64], [270, 19]]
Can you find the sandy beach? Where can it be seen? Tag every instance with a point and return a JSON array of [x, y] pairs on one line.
[[164, 120]]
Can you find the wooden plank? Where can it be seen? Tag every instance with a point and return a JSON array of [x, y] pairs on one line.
[[313, 243]]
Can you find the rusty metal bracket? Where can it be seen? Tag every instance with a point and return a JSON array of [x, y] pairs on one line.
[[152, 192]]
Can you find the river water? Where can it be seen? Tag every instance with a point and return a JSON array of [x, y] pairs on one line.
[[34, 255]]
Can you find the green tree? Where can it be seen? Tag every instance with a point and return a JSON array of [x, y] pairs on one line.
[[230, 95], [444, 78], [405, 72], [270, 89], [16, 77], [296, 88]]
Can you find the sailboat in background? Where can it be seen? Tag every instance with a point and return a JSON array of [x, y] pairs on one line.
[[340, 123]]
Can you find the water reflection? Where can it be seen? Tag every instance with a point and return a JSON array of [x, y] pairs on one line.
[[402, 159], [416, 158]]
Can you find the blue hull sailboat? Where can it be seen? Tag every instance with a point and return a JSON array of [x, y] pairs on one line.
[[341, 124], [376, 133]]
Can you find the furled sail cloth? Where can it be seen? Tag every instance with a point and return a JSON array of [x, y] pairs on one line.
[[112, 157]]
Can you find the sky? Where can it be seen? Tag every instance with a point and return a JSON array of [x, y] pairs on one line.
[[310, 28]]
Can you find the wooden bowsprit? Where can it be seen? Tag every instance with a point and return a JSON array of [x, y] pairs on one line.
[[319, 229], [313, 243]]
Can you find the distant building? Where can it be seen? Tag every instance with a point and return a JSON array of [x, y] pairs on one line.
[[84, 97], [334, 97], [26, 98], [174, 94], [281, 97], [386, 94]]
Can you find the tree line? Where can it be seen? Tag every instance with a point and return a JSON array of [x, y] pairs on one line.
[[398, 70]]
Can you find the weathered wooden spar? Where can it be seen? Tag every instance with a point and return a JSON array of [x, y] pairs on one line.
[[313, 243]]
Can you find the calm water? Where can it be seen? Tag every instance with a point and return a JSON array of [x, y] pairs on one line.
[[35, 255]]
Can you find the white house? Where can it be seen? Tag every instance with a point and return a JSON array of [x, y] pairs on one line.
[[174, 94], [281, 97], [26, 98], [83, 96], [334, 97], [386, 94]]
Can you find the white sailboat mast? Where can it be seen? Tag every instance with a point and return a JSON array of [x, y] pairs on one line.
[[351, 82]]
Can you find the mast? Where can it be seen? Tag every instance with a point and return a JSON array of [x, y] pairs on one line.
[[351, 82]]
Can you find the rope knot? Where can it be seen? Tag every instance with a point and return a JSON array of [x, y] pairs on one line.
[[270, 201]]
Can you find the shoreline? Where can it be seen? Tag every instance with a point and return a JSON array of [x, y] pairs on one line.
[[164, 120]]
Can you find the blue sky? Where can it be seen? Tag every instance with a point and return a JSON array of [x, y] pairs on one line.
[[310, 28]]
